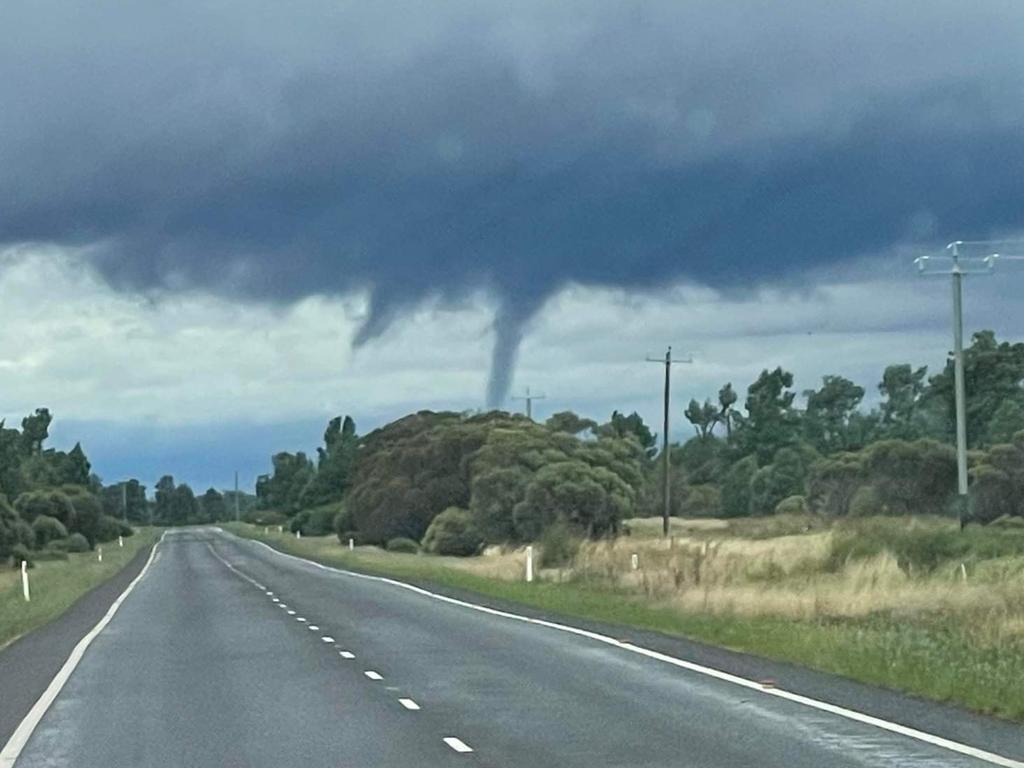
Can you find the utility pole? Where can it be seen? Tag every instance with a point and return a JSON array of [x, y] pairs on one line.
[[529, 402], [237, 516], [977, 257], [666, 493]]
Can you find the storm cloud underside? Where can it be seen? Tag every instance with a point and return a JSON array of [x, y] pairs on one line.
[[251, 148]]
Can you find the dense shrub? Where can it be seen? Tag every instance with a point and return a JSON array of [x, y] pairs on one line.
[[20, 552], [60, 545], [402, 545], [557, 546], [792, 505], [320, 521], [453, 533], [298, 521], [922, 547], [108, 528], [343, 525], [700, 501], [78, 543], [55, 504], [865, 502], [49, 554], [46, 529], [736, 487], [265, 517]]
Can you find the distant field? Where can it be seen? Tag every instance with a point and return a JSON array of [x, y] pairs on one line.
[[880, 600], [56, 584]]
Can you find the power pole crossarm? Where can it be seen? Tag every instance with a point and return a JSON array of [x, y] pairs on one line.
[[529, 402], [666, 466]]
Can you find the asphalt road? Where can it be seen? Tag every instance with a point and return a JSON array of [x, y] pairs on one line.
[[203, 666]]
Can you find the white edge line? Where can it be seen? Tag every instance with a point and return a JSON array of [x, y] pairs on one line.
[[346, 654], [409, 704], [373, 675], [457, 744], [25, 728], [823, 706]]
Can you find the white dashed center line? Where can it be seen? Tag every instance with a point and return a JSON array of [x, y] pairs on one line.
[[299, 618], [373, 675], [291, 613], [275, 599], [327, 639], [269, 593], [313, 628], [457, 744], [346, 654], [409, 704]]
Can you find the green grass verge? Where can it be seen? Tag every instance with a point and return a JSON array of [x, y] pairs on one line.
[[55, 585], [935, 659]]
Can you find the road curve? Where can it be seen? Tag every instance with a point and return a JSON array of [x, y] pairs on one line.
[[229, 654]]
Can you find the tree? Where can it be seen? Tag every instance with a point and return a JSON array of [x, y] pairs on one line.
[[631, 426], [494, 495], [76, 467], [736, 487], [703, 417], [212, 505], [163, 511], [771, 422], [902, 388], [831, 415], [184, 506], [570, 423], [1007, 421], [335, 464], [726, 400], [993, 373], [35, 429], [782, 478]]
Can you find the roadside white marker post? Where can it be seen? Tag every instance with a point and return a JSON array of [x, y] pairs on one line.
[[266, 529], [24, 580], [963, 572], [351, 544], [99, 554], [634, 561], [120, 541], [529, 563], [298, 534], [280, 529]]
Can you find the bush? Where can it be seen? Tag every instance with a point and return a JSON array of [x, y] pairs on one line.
[[264, 517], [23, 534], [49, 554], [792, 505], [453, 533], [557, 546], [320, 521], [701, 501], [60, 545], [344, 526], [865, 502], [20, 552], [46, 529], [401, 544], [107, 528], [736, 488], [78, 543], [922, 547], [299, 521]]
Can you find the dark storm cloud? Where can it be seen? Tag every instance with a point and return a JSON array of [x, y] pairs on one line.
[[417, 150]]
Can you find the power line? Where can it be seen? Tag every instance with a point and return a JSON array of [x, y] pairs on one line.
[[529, 402], [668, 362]]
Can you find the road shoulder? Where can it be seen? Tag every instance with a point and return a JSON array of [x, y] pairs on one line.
[[29, 663]]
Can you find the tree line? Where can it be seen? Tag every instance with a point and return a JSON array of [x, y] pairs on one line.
[[454, 482]]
